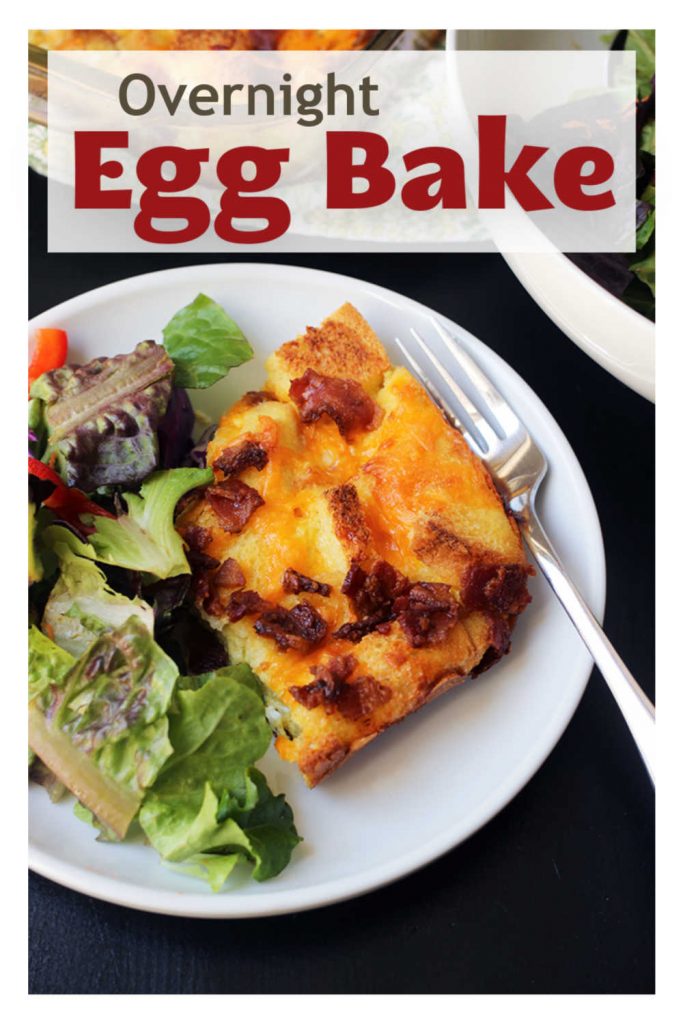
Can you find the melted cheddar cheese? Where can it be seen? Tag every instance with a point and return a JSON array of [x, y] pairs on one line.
[[409, 492]]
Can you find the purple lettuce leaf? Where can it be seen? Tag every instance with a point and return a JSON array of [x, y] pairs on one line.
[[608, 269], [175, 430], [197, 456], [101, 419], [193, 645]]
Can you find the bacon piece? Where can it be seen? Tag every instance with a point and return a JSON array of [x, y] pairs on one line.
[[342, 400], [360, 699], [374, 592], [202, 564], [327, 680], [245, 602], [353, 581], [256, 397], [196, 537], [201, 581], [500, 630], [331, 689], [227, 575], [188, 500], [299, 627], [234, 503], [426, 612], [373, 595], [294, 582], [500, 588], [355, 631], [238, 457]]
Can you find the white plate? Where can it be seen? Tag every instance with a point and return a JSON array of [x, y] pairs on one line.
[[429, 782]]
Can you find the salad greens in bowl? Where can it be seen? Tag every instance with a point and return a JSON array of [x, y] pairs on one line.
[[134, 708], [604, 302], [631, 278]]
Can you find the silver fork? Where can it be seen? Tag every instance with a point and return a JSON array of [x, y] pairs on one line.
[[500, 439]]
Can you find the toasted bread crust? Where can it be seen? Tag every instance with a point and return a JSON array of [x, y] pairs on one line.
[[349, 521], [343, 346]]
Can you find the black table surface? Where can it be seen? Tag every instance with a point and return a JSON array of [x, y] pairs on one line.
[[556, 894]]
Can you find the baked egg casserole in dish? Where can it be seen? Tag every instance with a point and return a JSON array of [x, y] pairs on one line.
[[351, 548], [201, 39]]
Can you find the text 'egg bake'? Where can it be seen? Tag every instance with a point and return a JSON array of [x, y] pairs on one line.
[[352, 549]]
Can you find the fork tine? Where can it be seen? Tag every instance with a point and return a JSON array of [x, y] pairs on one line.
[[473, 442], [486, 432], [495, 403]]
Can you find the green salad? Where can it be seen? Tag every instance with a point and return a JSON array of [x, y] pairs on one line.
[[631, 278], [134, 708]]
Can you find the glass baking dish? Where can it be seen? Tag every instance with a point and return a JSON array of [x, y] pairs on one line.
[[383, 39]]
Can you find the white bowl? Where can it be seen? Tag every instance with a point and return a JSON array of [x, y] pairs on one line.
[[614, 335]]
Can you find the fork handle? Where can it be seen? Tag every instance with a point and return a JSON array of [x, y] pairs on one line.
[[633, 703]]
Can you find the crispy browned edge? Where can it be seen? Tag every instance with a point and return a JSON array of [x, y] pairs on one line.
[[344, 345], [324, 762]]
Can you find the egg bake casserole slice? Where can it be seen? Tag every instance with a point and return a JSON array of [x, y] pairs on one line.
[[352, 548]]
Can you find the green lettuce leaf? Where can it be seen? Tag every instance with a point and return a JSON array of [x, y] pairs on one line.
[[101, 418], [198, 708], [105, 732], [119, 730], [35, 564], [269, 828], [217, 730], [180, 825], [204, 343], [646, 229], [144, 539], [36, 427], [106, 835], [643, 42], [82, 606], [48, 664], [209, 799], [648, 139], [644, 266], [213, 868]]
